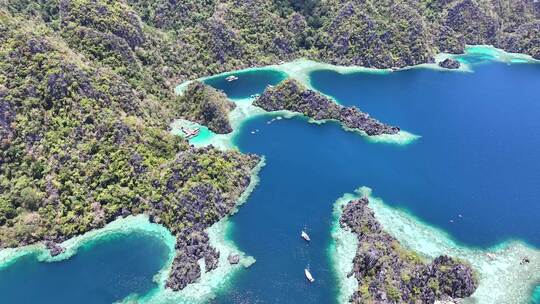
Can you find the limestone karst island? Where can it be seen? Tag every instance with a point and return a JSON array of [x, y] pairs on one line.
[[270, 151]]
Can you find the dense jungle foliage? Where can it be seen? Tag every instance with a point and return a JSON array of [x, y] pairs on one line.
[[84, 134], [86, 93]]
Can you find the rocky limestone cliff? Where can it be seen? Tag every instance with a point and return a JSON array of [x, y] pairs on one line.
[[388, 273], [207, 106], [292, 96]]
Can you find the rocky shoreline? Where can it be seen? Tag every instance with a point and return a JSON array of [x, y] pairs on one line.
[[206, 206], [292, 96], [207, 106], [89, 95], [188, 217], [388, 273], [449, 63]]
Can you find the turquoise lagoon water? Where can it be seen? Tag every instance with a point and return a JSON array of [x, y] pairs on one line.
[[536, 296], [103, 271], [473, 173]]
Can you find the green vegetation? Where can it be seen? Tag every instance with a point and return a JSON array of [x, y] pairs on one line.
[[207, 106], [84, 137], [86, 95]]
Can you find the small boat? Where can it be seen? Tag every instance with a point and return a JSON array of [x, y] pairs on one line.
[[309, 276], [231, 78], [255, 95], [305, 236], [191, 134]]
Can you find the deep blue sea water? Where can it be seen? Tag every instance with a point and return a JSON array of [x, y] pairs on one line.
[[478, 157], [474, 173], [104, 271], [479, 151]]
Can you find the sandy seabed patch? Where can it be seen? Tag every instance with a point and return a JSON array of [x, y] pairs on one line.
[[342, 251]]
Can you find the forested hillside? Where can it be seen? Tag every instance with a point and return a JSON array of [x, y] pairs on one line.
[[86, 97]]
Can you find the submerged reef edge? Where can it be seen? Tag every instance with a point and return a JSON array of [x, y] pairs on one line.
[[502, 275]]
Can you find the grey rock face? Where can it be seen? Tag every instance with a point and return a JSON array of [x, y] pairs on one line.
[[389, 273], [291, 96], [450, 64], [233, 259], [204, 205], [54, 248]]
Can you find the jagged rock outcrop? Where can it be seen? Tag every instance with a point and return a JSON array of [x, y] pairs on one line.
[[84, 140], [226, 44], [207, 106], [362, 34], [468, 19], [233, 259], [191, 246], [292, 96], [388, 273], [118, 19], [7, 116], [86, 93], [197, 208], [218, 36], [449, 63]]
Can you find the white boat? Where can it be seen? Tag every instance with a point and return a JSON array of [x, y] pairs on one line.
[[189, 134], [305, 236], [231, 78], [309, 276]]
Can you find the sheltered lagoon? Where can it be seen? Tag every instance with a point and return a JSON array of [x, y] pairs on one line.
[[210, 283], [510, 251], [243, 92], [200, 292], [425, 239]]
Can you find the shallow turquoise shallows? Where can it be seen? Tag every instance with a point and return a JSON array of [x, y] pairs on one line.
[[474, 173], [536, 296]]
